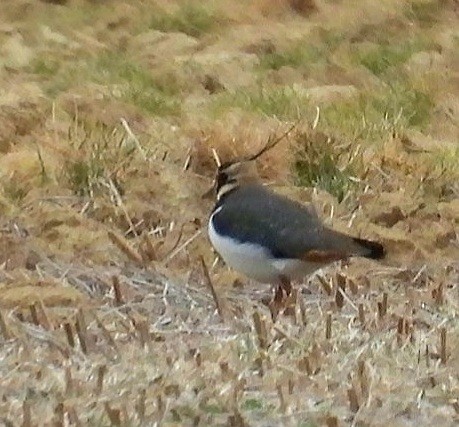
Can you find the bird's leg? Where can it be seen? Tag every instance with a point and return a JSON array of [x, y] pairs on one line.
[[286, 285], [291, 300], [279, 302], [278, 295]]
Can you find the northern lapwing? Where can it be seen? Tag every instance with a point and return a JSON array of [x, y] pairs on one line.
[[271, 238]]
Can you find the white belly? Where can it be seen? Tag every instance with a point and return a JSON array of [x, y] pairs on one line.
[[255, 262]]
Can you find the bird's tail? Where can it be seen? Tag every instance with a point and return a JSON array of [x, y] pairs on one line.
[[339, 242]]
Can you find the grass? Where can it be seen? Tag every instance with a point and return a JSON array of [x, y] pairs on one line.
[[373, 116], [60, 18], [284, 103], [128, 80], [45, 67], [190, 17], [326, 160], [369, 119], [381, 58], [302, 53], [441, 180], [448, 160], [101, 325], [424, 12], [253, 405], [96, 162], [14, 191], [411, 104], [324, 163], [137, 84], [296, 56]]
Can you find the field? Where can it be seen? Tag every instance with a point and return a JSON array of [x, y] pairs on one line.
[[114, 309]]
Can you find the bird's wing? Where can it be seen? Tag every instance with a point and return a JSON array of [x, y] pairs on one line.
[[257, 215], [287, 228]]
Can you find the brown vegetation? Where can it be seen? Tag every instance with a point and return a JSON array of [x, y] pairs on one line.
[[113, 310]]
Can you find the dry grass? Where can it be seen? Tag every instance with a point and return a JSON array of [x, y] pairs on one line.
[[113, 310]]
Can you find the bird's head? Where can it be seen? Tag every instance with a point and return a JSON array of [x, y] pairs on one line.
[[231, 175]]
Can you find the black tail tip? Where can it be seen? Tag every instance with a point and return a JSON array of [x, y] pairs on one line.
[[375, 249]]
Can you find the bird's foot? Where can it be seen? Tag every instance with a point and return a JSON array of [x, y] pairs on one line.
[[277, 303], [283, 302], [287, 305]]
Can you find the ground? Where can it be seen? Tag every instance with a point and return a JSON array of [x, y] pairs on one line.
[[113, 308]]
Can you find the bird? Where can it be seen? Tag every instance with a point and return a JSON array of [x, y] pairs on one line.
[[271, 238]]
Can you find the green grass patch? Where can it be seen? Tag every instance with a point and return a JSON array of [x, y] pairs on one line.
[[372, 116], [369, 116], [295, 56], [409, 105], [97, 161], [73, 15], [45, 67], [14, 190], [323, 162], [252, 405], [212, 408], [441, 182], [84, 175], [425, 12], [302, 53], [137, 84], [307, 424], [129, 81], [191, 18], [381, 58], [282, 102]]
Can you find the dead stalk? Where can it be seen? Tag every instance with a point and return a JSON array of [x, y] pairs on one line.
[[133, 137], [327, 288], [101, 371], [73, 416], [106, 333], [443, 355], [212, 289], [81, 330], [382, 306], [328, 327], [361, 314], [331, 421], [260, 329], [59, 412], [124, 247], [114, 415], [282, 400], [26, 414], [140, 406], [353, 399], [34, 314], [117, 291], [46, 321], [149, 250], [69, 334], [143, 328], [69, 387], [4, 327], [175, 252]]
